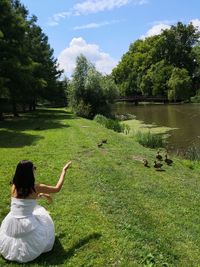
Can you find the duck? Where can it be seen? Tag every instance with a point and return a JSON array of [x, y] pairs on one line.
[[158, 156], [157, 165], [168, 161], [146, 163]]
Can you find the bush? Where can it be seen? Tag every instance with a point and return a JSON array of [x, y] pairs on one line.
[[114, 125], [83, 110], [110, 123], [149, 140], [100, 119], [196, 98]]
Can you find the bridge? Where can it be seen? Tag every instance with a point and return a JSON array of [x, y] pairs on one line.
[[139, 98]]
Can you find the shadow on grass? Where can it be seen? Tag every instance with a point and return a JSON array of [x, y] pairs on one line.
[[39, 120], [58, 255], [13, 139]]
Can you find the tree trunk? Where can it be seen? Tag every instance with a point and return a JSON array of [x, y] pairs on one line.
[[34, 104], [24, 107], [1, 116], [15, 113], [30, 107]]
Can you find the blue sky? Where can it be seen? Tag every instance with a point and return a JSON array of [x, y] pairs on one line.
[[102, 30]]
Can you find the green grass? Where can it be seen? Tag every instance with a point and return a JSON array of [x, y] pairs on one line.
[[111, 211]]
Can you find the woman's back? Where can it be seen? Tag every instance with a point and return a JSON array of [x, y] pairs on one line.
[[22, 207]]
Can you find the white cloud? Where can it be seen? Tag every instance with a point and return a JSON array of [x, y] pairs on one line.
[[92, 6], [196, 23], [52, 23], [95, 25], [55, 19], [155, 30], [142, 2], [166, 21], [159, 26], [102, 61]]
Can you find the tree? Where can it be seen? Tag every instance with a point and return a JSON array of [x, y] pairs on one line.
[[147, 66], [160, 74], [110, 89], [129, 73], [180, 85], [90, 92], [27, 67], [196, 74], [45, 73], [177, 43], [12, 57]]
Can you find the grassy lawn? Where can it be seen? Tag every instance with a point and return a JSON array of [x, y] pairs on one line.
[[111, 211]]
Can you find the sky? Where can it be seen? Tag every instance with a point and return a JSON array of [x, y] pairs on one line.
[[102, 30]]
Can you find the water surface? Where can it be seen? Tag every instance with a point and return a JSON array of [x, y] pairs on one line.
[[185, 117]]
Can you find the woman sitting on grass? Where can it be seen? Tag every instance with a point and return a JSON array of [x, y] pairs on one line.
[[28, 230]]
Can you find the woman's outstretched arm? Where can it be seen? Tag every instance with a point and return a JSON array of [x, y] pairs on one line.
[[42, 188]]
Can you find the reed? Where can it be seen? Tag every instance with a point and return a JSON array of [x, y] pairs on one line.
[[150, 140], [193, 153]]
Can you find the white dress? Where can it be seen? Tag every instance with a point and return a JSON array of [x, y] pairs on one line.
[[26, 232]]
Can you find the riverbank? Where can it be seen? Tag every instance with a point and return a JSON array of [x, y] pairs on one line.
[[112, 211]]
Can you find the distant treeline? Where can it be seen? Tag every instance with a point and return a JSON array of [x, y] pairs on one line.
[[28, 70], [166, 65]]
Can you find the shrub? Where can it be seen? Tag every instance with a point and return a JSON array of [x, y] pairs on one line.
[[110, 123], [83, 110], [195, 99], [150, 140], [100, 119]]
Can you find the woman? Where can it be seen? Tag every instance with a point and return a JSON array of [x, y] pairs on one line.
[[28, 230]]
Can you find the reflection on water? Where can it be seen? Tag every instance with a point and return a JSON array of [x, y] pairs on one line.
[[185, 117]]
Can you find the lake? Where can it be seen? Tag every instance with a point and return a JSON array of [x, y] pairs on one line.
[[185, 117]]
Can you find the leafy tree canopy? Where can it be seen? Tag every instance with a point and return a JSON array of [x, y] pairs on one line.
[[28, 70], [90, 92], [149, 64]]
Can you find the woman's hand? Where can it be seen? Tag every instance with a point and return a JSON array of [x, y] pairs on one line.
[[43, 189], [47, 196], [67, 165]]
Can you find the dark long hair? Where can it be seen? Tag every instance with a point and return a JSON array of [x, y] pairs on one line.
[[24, 179]]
